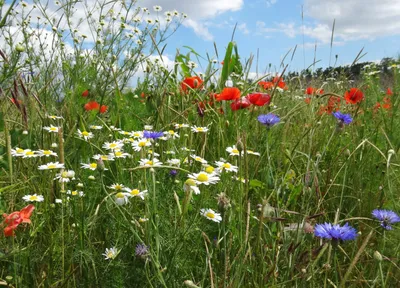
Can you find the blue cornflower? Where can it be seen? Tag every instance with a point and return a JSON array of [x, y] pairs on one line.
[[343, 118], [268, 120], [152, 134], [335, 232], [386, 217], [141, 250], [173, 172]]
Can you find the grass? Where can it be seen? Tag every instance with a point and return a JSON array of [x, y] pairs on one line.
[[310, 168]]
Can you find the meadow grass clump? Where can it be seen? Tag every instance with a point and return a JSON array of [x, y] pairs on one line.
[[212, 180]]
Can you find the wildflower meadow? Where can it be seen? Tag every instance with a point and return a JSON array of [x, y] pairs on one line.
[[186, 178]]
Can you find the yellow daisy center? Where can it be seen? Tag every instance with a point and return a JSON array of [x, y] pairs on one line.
[[209, 169], [142, 144], [113, 145], [110, 254], [149, 162], [202, 177], [85, 133], [93, 165], [51, 166], [135, 192], [19, 150], [53, 129], [46, 152], [120, 195], [200, 129], [236, 151], [104, 157], [74, 193], [33, 198], [190, 182], [171, 132], [118, 153], [226, 165], [210, 215], [29, 153], [64, 174], [118, 187]]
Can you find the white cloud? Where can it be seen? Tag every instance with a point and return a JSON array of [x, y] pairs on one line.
[[287, 28], [355, 19], [243, 28], [197, 11]]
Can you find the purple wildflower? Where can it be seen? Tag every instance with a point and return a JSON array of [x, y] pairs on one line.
[[335, 232], [386, 217], [173, 172], [141, 250], [152, 134], [268, 120], [343, 118]]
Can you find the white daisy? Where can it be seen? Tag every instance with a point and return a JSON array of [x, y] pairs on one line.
[[28, 153], [225, 166], [233, 151], [47, 153], [91, 166], [169, 152], [140, 143], [196, 129], [178, 126], [174, 162], [95, 127], [125, 133], [150, 163], [17, 152], [54, 117], [157, 8], [52, 128], [75, 193], [211, 215], [33, 198], [136, 192], [151, 152], [85, 135], [65, 176], [117, 187], [137, 134], [120, 154], [121, 198], [204, 178], [109, 157], [110, 253], [199, 159], [209, 169], [190, 184], [251, 152], [115, 145], [51, 165], [171, 134]]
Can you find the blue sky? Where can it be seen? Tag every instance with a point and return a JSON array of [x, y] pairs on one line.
[[275, 27]]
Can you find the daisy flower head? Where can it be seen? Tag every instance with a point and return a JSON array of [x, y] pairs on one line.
[[150, 163], [115, 145], [204, 178], [33, 198], [51, 129], [84, 135], [95, 127], [139, 144], [17, 152], [75, 193], [198, 159], [171, 134], [225, 166], [109, 157], [335, 232], [179, 126], [196, 129], [51, 165], [157, 8], [125, 133], [121, 198], [210, 169], [148, 127], [211, 215], [110, 253], [251, 152], [117, 187], [119, 154], [386, 217], [65, 176], [47, 153], [174, 162], [152, 134], [152, 153], [268, 120], [190, 185], [233, 151], [90, 166], [54, 117], [137, 134], [136, 193], [28, 153]]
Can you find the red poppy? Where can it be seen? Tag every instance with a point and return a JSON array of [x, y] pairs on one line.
[[229, 93], [266, 85], [307, 100], [191, 82], [103, 109], [142, 95], [15, 218], [85, 93], [353, 96], [333, 105], [279, 80], [240, 103], [259, 99], [313, 91], [92, 105], [389, 92]]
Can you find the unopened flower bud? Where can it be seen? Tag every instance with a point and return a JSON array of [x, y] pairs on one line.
[[378, 256], [100, 165]]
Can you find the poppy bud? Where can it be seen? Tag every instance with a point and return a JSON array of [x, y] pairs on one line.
[[100, 165], [85, 93], [19, 48], [378, 256]]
